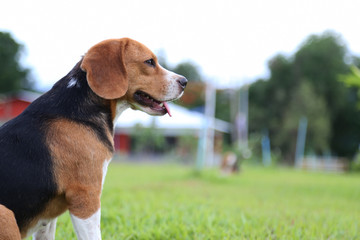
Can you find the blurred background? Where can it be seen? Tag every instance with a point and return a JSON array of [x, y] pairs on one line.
[[273, 94], [270, 82]]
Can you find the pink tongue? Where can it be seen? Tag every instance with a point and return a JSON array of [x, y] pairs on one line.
[[167, 108]]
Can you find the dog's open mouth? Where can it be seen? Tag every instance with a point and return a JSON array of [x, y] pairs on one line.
[[158, 107]]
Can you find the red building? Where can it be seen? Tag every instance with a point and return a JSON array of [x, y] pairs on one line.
[[11, 106], [122, 143]]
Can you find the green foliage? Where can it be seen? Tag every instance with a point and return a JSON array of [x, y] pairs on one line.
[[12, 76], [320, 60], [186, 147], [148, 140], [170, 202], [224, 100], [188, 70], [305, 102], [195, 91], [153, 141], [355, 164], [352, 80], [194, 95], [306, 84]]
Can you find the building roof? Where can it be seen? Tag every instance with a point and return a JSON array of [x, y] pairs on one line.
[[181, 122]]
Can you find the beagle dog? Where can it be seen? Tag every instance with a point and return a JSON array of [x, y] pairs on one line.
[[54, 156]]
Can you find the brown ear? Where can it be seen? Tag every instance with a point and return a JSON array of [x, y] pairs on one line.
[[105, 69]]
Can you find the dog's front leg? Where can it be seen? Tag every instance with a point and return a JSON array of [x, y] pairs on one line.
[[89, 228], [47, 232], [84, 207]]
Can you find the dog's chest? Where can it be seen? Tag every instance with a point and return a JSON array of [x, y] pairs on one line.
[[78, 155], [40, 225], [104, 170]]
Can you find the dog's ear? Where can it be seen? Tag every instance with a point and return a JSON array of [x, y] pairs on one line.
[[105, 69]]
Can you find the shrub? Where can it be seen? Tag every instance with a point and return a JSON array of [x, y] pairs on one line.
[[355, 165]]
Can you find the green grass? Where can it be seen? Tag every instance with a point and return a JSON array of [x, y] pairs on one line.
[[172, 202]]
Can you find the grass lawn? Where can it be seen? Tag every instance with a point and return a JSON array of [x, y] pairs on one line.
[[171, 202]]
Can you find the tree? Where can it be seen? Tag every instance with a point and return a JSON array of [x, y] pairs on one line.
[[194, 96], [188, 70], [348, 122], [352, 80], [320, 60], [306, 84], [223, 104], [268, 101], [305, 103], [12, 76]]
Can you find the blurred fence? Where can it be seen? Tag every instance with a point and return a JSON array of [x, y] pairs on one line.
[[329, 164]]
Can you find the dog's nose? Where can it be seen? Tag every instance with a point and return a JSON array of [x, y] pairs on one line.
[[182, 81]]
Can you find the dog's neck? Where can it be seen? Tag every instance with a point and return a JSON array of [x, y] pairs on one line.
[[77, 79], [121, 106], [71, 98]]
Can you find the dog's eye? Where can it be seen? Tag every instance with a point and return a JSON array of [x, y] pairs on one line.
[[150, 62]]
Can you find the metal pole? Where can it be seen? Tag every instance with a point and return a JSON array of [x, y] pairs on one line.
[[266, 150], [300, 143], [243, 117], [202, 146], [205, 153], [210, 115]]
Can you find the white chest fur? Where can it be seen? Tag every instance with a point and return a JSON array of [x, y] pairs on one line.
[[41, 224], [104, 169]]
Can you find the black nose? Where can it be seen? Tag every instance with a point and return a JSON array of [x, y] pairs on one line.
[[182, 81]]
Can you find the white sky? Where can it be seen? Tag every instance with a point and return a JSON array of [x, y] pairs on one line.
[[231, 40]]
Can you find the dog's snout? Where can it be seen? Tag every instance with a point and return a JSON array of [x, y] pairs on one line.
[[182, 81]]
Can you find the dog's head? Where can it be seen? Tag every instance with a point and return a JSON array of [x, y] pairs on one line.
[[126, 69]]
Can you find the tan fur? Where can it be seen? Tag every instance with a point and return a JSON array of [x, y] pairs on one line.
[[116, 68], [113, 109], [149, 80], [77, 169], [8, 227], [105, 69], [78, 158]]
